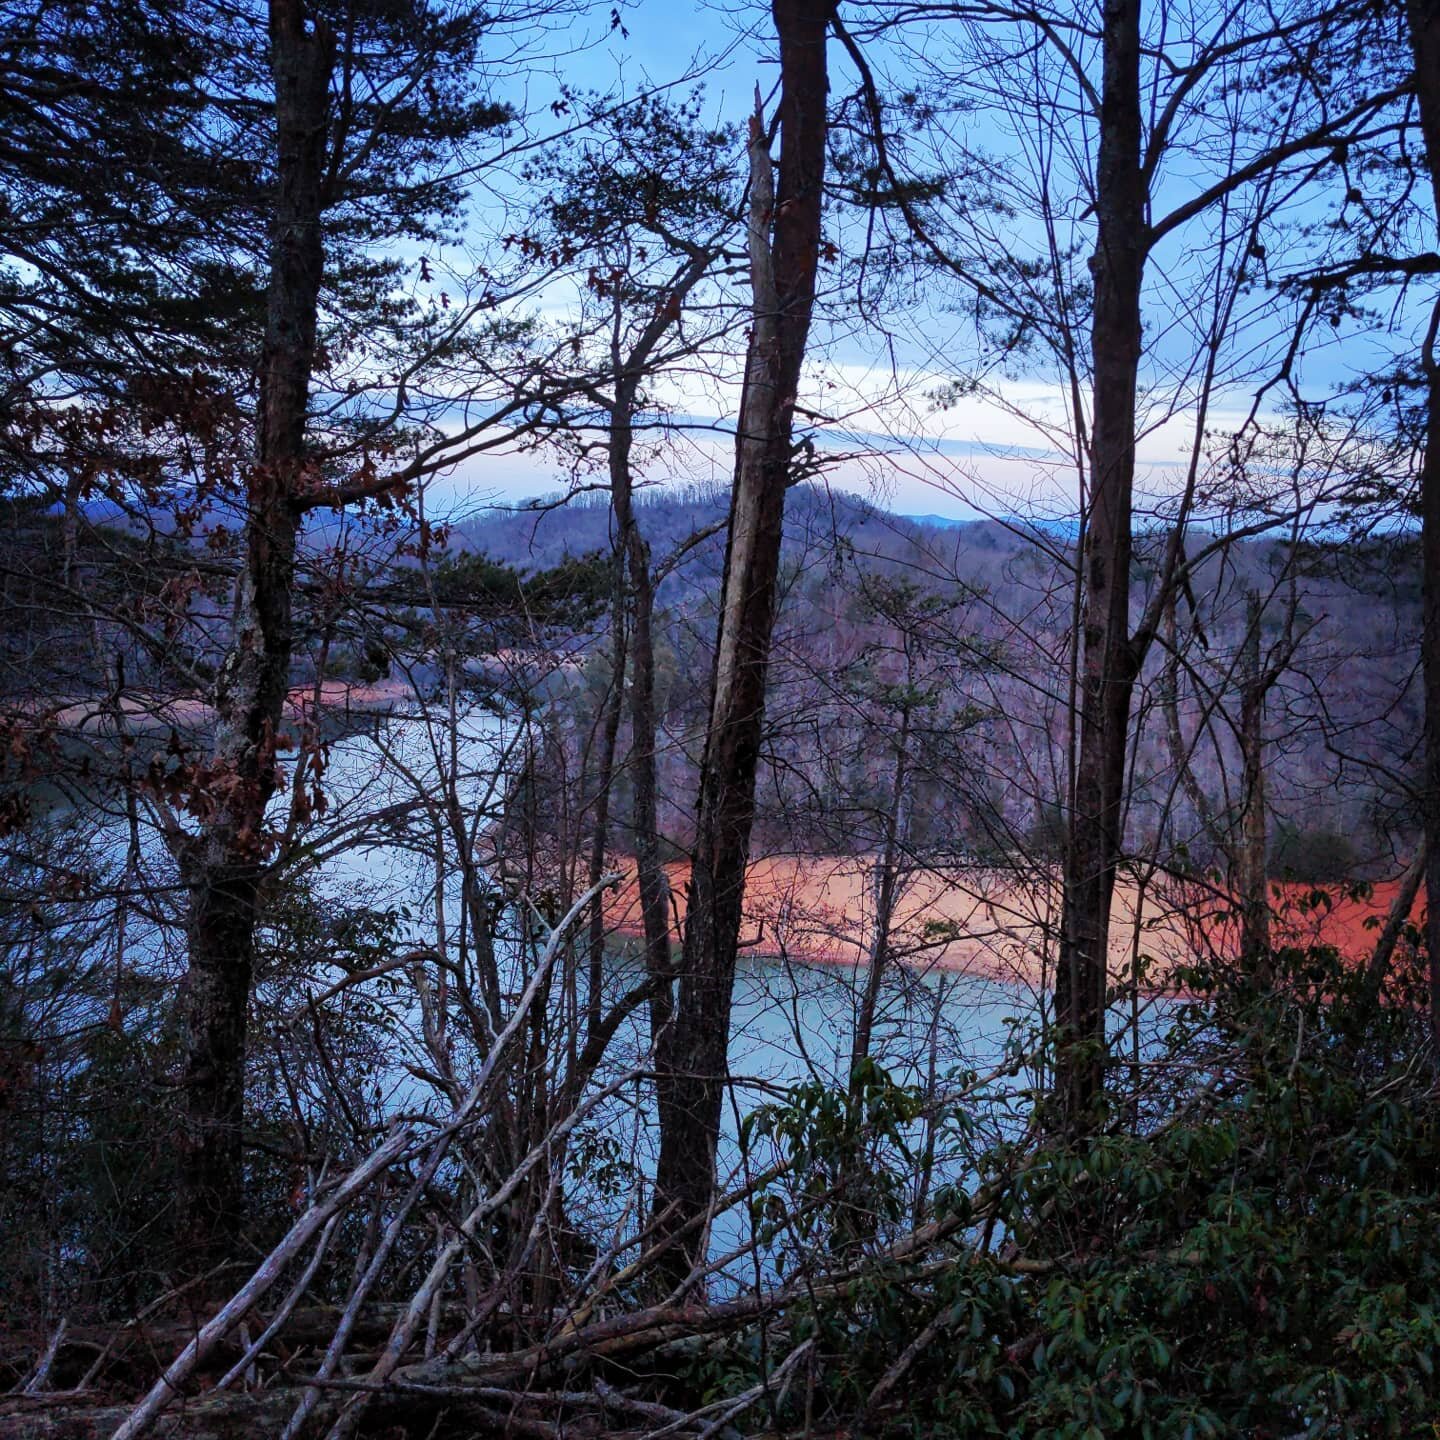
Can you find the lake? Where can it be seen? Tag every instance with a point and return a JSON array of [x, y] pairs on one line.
[[395, 786]]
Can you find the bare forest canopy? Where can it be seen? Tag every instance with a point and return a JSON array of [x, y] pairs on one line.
[[1344, 709], [705, 952]]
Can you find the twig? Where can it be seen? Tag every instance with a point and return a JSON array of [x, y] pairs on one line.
[[143, 1416], [36, 1383], [286, 1306]]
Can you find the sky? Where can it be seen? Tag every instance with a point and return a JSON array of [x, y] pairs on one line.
[[1000, 450], [955, 465]]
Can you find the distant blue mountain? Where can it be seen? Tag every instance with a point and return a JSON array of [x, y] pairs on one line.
[[1066, 529], [940, 522]]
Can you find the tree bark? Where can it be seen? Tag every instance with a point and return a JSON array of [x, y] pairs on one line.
[[650, 876], [1254, 903], [887, 892], [1396, 920], [784, 253], [1424, 18], [1108, 661], [604, 783], [224, 866]]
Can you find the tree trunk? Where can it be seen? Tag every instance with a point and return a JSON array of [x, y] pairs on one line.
[[1180, 758], [1425, 43], [1108, 662], [784, 252], [1254, 904], [650, 876], [887, 890], [604, 783], [1396, 920], [224, 866]]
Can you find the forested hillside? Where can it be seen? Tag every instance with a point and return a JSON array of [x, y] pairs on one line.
[[719, 721], [987, 600]]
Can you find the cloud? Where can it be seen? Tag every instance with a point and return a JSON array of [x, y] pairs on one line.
[[908, 439]]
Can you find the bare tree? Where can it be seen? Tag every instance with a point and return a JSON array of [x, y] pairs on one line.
[[1424, 18], [223, 869], [1141, 98], [784, 255]]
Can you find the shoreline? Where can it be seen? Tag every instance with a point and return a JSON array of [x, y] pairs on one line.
[[154, 716], [997, 926]]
